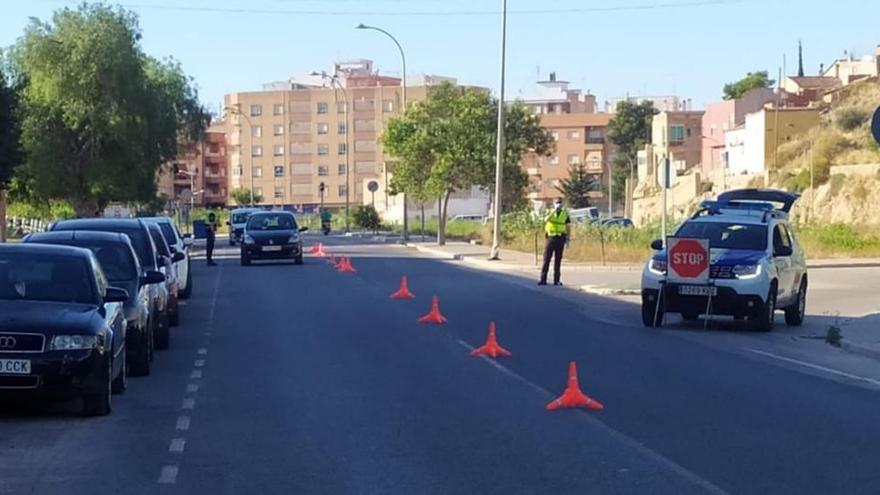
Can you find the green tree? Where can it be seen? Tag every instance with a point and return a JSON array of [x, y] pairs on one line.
[[629, 130], [447, 143], [753, 80], [97, 111], [366, 217], [576, 187], [10, 147], [242, 196]]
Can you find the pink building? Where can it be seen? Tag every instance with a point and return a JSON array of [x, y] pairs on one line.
[[726, 115]]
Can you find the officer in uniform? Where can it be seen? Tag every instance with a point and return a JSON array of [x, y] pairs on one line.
[[210, 235], [557, 228]]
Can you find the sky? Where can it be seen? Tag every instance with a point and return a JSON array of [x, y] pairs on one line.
[[612, 48]]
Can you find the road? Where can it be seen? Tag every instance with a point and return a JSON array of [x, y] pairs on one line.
[[298, 379]]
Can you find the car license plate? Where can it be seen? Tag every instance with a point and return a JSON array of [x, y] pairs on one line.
[[271, 248], [15, 367], [697, 290]]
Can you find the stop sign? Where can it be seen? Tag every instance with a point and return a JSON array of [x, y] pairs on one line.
[[688, 259]]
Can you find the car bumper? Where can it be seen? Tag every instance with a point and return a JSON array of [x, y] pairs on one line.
[[57, 375], [726, 302], [257, 252]]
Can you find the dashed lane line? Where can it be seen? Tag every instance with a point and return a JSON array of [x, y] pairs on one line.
[[191, 388], [177, 445], [183, 423], [199, 363], [196, 374], [168, 475], [188, 403]]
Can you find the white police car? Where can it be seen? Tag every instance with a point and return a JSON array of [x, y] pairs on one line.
[[756, 265]]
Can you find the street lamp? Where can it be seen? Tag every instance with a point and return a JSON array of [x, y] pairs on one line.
[[334, 82], [499, 149], [403, 101], [235, 110]]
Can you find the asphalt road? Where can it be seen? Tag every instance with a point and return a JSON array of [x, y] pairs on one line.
[[298, 379]]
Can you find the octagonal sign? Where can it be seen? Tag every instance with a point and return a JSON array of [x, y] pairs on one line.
[[688, 260]]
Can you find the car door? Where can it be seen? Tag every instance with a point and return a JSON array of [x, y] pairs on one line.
[[782, 258], [112, 313]]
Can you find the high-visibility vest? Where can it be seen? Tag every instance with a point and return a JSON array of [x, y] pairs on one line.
[[211, 221], [556, 221]]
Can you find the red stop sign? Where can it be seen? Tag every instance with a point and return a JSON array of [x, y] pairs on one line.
[[689, 258]]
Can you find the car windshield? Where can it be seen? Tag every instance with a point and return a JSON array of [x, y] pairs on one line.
[[727, 235], [116, 260], [271, 221], [159, 241], [240, 217], [168, 232], [45, 277]]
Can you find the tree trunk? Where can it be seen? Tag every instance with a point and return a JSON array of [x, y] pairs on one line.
[[2, 215], [441, 222]]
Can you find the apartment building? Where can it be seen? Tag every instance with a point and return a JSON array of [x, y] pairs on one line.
[[291, 137], [663, 103], [199, 172], [723, 116], [677, 135], [751, 148]]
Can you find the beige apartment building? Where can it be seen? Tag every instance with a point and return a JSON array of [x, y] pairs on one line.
[[288, 139], [198, 175]]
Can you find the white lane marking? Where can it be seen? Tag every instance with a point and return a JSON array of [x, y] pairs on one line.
[[188, 404], [198, 363], [621, 437], [196, 374], [192, 387], [181, 303], [168, 475], [177, 445], [817, 367], [203, 351], [183, 423]]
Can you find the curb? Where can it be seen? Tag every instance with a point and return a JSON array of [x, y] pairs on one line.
[[609, 291], [860, 350]]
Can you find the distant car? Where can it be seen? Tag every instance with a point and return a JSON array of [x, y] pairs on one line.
[[178, 244], [62, 327], [122, 269], [468, 218], [272, 235], [136, 229], [616, 222], [586, 215], [237, 220], [167, 265], [756, 265]]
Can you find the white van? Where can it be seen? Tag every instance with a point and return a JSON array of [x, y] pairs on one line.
[[237, 220]]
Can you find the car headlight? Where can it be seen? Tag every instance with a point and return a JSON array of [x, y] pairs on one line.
[[248, 239], [744, 272], [293, 239], [657, 267], [74, 342]]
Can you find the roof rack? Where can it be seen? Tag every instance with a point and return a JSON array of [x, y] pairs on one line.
[[710, 207]]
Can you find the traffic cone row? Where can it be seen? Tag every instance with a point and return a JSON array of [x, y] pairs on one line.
[[316, 248], [345, 266]]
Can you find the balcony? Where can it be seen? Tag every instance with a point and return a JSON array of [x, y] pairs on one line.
[[215, 178], [534, 171], [600, 146], [595, 167]]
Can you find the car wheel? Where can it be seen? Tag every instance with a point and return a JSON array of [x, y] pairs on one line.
[[185, 293], [766, 316], [99, 404], [163, 337], [120, 383], [794, 314], [690, 315], [298, 260], [651, 317], [245, 259]]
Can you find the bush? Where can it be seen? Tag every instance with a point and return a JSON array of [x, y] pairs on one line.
[[366, 217], [850, 119]]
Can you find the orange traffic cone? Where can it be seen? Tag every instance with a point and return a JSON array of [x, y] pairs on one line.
[[345, 266], [403, 292], [491, 347], [314, 249], [573, 397], [320, 251], [434, 315]]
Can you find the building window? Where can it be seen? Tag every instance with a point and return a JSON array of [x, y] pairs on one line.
[[341, 190], [279, 192], [676, 134], [553, 160], [257, 171], [341, 149], [278, 109], [322, 107], [278, 150], [258, 192], [340, 169], [595, 136], [574, 159], [256, 150], [554, 135], [341, 129], [323, 170], [340, 107], [236, 171], [256, 110], [574, 135], [279, 170], [278, 130], [323, 128], [387, 105], [256, 130], [323, 149]]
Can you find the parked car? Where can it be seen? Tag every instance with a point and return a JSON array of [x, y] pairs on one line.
[[586, 215], [167, 266], [237, 220], [272, 235], [756, 264], [136, 229], [468, 218], [122, 269], [621, 222], [178, 244], [62, 327]]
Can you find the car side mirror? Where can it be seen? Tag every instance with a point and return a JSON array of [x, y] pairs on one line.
[[177, 256], [187, 240], [115, 295], [152, 277], [657, 244], [783, 251], [303, 229]]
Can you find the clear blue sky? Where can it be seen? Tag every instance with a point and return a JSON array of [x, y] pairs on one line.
[[690, 50]]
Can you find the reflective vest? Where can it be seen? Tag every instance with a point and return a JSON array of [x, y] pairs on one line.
[[211, 221], [556, 221]]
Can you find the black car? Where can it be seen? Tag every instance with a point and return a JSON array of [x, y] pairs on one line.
[[272, 235], [148, 256], [122, 269], [62, 327]]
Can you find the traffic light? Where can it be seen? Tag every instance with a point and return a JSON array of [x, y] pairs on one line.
[[321, 187]]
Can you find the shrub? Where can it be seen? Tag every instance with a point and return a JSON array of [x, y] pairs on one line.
[[850, 119], [366, 217]]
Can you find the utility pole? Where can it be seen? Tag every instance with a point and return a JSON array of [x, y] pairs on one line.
[[499, 151]]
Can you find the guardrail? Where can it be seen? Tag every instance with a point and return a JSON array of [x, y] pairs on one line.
[[20, 227]]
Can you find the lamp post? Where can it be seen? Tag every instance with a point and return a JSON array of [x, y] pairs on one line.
[[499, 150], [235, 110], [334, 82], [403, 101]]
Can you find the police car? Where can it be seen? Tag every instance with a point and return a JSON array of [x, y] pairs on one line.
[[756, 266]]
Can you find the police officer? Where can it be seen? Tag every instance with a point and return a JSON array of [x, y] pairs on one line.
[[210, 235], [557, 228]]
